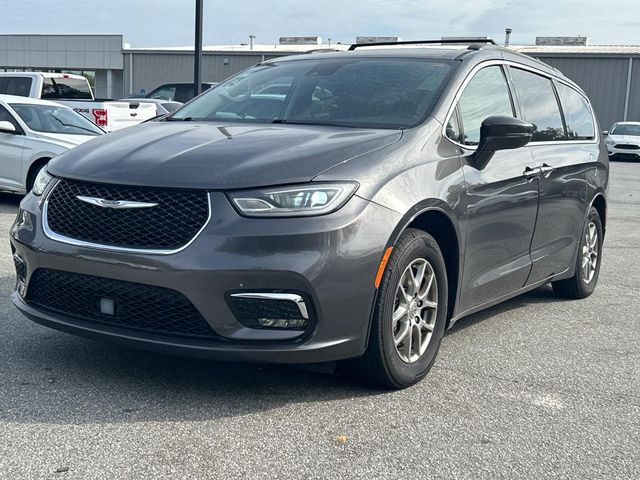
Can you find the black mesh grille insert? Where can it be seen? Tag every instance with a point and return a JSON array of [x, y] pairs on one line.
[[177, 218], [21, 267], [626, 146], [137, 306]]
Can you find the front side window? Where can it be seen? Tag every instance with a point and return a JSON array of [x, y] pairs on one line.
[[20, 86], [486, 95], [5, 116], [577, 114], [54, 119], [351, 92], [539, 105]]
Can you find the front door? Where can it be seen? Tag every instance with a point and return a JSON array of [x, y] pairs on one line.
[[501, 199]]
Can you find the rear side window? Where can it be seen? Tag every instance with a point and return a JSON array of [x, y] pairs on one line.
[[184, 93], [20, 86], [67, 88], [539, 105], [577, 114], [486, 95]]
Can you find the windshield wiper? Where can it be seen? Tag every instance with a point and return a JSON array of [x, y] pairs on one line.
[[73, 126]]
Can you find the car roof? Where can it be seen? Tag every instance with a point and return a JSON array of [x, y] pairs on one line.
[[627, 123], [14, 99]]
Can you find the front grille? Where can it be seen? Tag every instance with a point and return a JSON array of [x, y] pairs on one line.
[[136, 306], [177, 218], [626, 146]]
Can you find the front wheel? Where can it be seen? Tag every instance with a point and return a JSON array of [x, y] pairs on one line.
[[587, 268], [410, 313]]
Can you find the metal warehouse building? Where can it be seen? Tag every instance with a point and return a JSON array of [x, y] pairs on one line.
[[609, 74]]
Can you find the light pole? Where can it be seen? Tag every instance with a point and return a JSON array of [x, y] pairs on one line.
[[197, 59]]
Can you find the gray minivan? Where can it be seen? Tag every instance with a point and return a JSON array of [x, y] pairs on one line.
[[356, 214]]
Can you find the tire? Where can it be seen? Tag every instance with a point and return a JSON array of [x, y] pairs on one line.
[[584, 281], [385, 362]]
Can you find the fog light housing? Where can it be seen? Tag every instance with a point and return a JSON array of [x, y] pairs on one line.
[[270, 310], [21, 274]]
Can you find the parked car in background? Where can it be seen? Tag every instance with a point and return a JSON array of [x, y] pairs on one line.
[[31, 133], [163, 107], [623, 141], [74, 91], [178, 91], [357, 214]]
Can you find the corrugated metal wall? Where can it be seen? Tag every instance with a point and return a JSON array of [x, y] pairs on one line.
[[634, 92], [605, 82], [153, 69]]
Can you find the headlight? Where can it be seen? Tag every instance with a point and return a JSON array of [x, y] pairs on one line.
[[609, 141], [41, 181], [293, 201]]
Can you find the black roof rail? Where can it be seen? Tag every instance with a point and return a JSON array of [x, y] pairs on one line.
[[448, 41], [322, 50]]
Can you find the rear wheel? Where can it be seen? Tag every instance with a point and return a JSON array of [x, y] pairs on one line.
[[410, 313], [587, 268]]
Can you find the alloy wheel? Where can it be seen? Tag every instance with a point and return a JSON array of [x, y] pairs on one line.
[[415, 310], [590, 253]]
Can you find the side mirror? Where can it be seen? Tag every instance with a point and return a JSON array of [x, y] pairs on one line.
[[605, 132], [7, 127], [500, 133]]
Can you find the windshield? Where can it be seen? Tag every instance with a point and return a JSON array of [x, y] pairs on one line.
[[54, 119], [352, 92], [626, 129]]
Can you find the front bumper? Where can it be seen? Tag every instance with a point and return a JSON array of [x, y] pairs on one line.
[[332, 260], [623, 153]]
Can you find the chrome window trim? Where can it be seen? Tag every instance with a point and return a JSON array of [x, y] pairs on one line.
[[109, 248], [511, 63], [287, 297]]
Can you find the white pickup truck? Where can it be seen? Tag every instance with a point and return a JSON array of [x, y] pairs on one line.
[[74, 91]]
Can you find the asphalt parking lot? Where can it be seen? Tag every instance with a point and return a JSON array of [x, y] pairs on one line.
[[537, 388]]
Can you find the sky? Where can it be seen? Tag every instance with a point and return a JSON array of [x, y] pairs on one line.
[[167, 23]]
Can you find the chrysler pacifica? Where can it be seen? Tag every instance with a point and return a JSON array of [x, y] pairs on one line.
[[323, 207]]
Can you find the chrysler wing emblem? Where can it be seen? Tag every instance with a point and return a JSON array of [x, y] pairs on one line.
[[118, 204]]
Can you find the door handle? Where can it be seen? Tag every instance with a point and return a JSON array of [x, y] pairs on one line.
[[531, 172], [546, 170]]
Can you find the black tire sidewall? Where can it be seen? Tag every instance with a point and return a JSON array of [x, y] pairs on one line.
[[421, 245]]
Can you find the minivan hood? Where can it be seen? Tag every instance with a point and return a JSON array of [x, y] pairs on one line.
[[216, 155]]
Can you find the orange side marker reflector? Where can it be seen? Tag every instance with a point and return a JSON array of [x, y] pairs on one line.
[[383, 264]]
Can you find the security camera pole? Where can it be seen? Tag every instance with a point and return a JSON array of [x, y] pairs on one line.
[[197, 59]]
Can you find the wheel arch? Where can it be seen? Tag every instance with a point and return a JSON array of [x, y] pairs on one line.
[[599, 202], [39, 162], [436, 218]]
